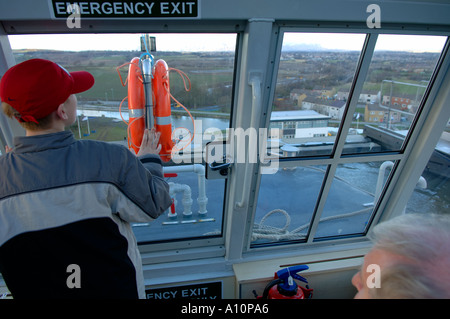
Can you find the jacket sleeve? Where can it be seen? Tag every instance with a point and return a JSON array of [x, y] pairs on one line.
[[142, 181]]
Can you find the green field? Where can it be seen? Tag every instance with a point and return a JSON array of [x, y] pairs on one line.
[[100, 128], [211, 74]]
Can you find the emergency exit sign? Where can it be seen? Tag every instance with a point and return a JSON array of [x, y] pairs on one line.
[[210, 290], [126, 9]]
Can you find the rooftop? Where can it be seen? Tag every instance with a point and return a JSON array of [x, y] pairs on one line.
[[297, 115]]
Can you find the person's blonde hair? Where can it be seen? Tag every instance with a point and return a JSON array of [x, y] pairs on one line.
[[44, 123], [423, 240]]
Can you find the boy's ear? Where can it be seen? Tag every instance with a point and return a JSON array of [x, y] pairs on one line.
[[61, 112]]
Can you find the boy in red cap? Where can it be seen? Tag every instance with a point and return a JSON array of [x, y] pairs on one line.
[[66, 205]]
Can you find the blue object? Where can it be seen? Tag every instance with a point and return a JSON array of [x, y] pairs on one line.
[[289, 284]]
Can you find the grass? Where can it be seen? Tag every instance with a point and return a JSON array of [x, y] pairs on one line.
[[101, 128]]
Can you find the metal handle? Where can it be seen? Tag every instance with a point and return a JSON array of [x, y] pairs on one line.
[[216, 167], [255, 80]]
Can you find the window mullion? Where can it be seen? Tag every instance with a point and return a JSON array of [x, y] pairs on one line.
[[328, 180], [355, 91]]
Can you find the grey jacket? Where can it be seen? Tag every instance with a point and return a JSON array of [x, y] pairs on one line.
[[64, 202]]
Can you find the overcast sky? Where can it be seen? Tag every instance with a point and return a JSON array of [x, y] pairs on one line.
[[126, 42], [220, 42]]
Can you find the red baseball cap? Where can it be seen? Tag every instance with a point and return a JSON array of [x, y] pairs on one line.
[[35, 88]]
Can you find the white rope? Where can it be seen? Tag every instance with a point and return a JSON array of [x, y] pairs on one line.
[[262, 231]]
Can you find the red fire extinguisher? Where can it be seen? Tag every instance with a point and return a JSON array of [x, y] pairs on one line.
[[283, 286]]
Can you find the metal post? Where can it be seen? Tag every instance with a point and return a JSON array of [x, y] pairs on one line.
[[147, 76]]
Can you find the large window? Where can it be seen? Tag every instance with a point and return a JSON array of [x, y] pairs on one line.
[[208, 62], [344, 108], [354, 191], [314, 78], [286, 204], [392, 95], [345, 105]]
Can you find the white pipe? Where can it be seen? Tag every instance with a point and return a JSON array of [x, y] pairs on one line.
[[186, 201], [202, 200], [171, 214], [199, 169], [380, 181], [422, 183], [183, 168]]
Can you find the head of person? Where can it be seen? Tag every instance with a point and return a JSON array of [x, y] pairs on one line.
[[412, 255], [39, 92]]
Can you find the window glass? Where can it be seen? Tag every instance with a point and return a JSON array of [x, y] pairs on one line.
[[355, 190], [432, 192], [286, 203], [400, 71], [207, 60], [315, 73], [401, 67], [205, 219]]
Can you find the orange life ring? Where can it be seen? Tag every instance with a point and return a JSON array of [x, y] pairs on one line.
[[136, 105], [161, 109]]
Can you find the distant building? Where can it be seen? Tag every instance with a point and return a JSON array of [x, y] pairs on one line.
[[299, 124], [369, 97], [376, 114], [323, 92], [400, 101], [403, 103], [335, 109], [298, 95], [373, 113], [329, 107], [366, 97]]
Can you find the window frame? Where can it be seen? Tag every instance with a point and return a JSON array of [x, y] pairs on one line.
[[400, 157], [202, 246], [197, 247], [233, 249]]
